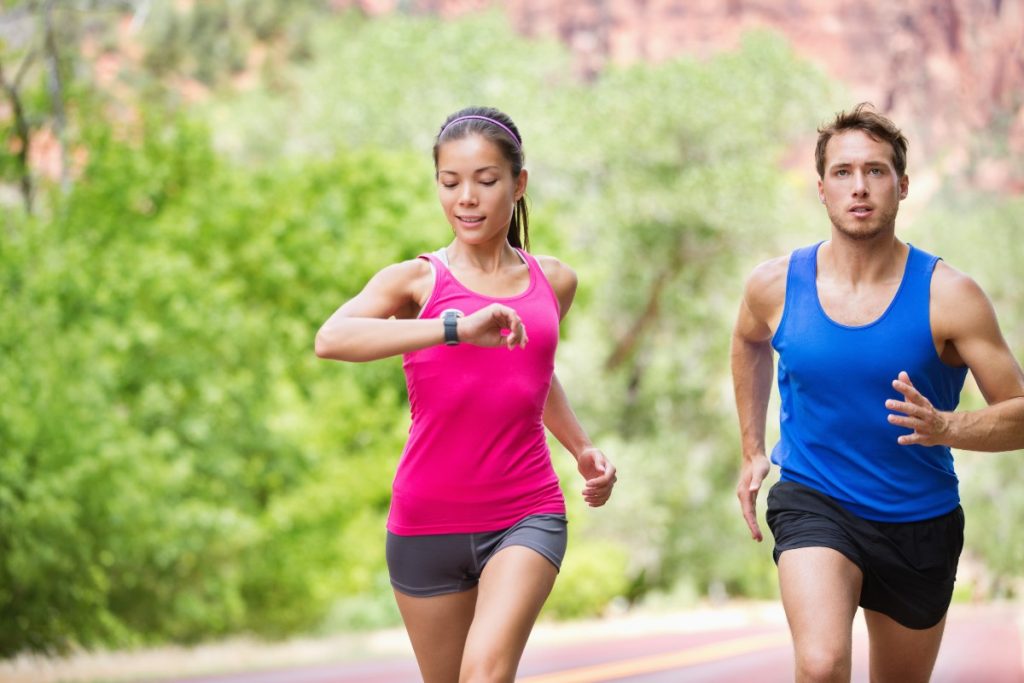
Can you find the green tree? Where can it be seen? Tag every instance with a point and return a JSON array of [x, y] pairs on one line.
[[178, 465]]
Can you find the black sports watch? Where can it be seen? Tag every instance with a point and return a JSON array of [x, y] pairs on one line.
[[451, 330]]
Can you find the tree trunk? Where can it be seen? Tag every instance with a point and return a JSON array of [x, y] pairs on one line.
[[21, 130], [56, 87]]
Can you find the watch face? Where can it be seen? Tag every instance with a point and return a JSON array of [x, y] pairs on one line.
[[457, 313]]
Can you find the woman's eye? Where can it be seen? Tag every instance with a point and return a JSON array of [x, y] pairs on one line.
[[488, 183]]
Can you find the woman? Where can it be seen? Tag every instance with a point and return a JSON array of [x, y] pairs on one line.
[[477, 527]]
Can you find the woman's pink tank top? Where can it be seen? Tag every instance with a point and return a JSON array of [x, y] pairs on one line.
[[477, 457]]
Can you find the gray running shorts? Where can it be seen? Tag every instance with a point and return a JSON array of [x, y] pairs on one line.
[[435, 564]]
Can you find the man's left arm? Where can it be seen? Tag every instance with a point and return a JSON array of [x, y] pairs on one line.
[[963, 316]]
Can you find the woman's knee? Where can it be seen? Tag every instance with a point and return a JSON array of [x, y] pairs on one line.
[[487, 667]]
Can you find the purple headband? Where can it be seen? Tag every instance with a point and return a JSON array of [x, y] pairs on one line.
[[499, 124]]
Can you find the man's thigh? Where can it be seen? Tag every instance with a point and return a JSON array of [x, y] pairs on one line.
[[820, 591], [900, 654]]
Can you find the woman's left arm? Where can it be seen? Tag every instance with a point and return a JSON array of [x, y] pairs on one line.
[[593, 465], [597, 471]]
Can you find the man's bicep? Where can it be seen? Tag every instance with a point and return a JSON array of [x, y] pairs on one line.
[[750, 327], [764, 295], [996, 371], [979, 342], [758, 308]]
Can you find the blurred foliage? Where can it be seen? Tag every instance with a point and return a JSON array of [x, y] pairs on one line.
[[214, 41], [592, 575], [176, 465]]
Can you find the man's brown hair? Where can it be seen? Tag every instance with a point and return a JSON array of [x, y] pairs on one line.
[[865, 118]]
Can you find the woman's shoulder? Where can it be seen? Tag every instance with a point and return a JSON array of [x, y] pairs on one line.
[[562, 279], [560, 275], [406, 281], [405, 272]]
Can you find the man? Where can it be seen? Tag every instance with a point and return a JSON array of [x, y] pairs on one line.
[[875, 338]]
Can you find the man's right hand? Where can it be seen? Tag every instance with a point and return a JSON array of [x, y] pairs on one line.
[[752, 473]]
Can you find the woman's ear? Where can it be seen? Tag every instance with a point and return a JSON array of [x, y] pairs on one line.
[[521, 184]]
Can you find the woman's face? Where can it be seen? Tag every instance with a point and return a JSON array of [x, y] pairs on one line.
[[477, 189]]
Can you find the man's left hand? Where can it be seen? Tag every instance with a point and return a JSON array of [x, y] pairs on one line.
[[931, 427]]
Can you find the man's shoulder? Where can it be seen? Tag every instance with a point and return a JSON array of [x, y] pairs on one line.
[[959, 306], [952, 287], [775, 270], [769, 277], [764, 293]]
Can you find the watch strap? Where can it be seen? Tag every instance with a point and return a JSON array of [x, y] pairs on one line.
[[451, 330]]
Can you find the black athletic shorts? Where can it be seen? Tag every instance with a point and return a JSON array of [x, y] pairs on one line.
[[435, 564], [909, 568]]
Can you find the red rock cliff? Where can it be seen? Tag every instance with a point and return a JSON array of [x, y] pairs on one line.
[[953, 68]]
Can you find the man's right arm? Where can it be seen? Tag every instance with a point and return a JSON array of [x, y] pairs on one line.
[[751, 358]]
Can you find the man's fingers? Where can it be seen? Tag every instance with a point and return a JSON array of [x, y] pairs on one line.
[[899, 406], [908, 390], [750, 516], [910, 439], [902, 421], [903, 385]]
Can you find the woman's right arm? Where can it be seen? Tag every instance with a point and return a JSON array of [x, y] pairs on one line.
[[380, 321]]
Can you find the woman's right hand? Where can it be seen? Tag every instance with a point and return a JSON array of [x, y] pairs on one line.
[[493, 325]]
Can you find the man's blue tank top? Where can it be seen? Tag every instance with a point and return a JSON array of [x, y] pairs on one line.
[[834, 380]]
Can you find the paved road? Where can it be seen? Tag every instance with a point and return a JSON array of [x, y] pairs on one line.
[[982, 645]]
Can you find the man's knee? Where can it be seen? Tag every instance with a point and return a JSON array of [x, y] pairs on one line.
[[823, 664]]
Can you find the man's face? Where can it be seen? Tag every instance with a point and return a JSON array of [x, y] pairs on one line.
[[861, 189]]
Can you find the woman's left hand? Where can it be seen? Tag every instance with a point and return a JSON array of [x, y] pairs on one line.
[[599, 474]]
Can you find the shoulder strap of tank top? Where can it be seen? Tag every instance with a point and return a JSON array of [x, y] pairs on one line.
[[918, 277], [537, 274], [801, 289], [803, 268], [921, 261], [440, 266], [441, 277]]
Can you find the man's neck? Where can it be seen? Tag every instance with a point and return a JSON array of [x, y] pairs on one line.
[[862, 261]]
